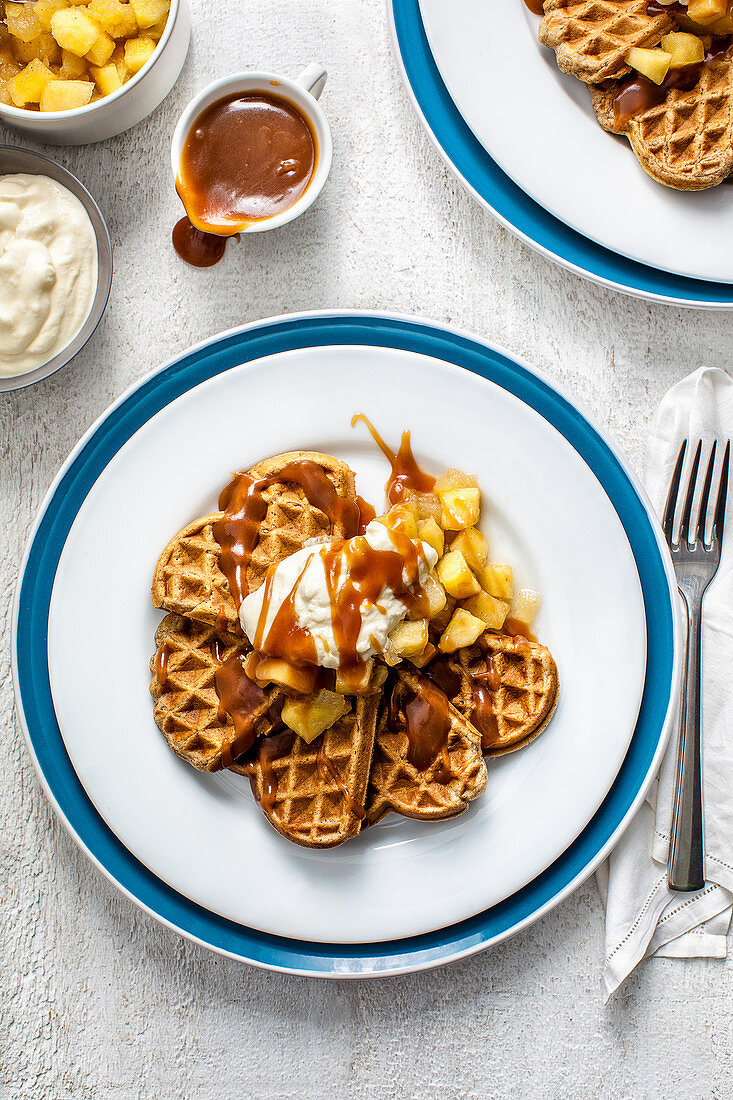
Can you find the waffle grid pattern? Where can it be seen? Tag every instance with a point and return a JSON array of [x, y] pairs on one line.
[[188, 580], [309, 806], [688, 139], [187, 708], [591, 37], [396, 785], [527, 691]]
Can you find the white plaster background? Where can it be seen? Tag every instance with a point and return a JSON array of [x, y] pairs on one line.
[[98, 1001]]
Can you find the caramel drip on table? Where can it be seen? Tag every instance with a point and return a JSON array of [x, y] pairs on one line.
[[245, 507], [161, 664], [197, 248], [535, 6], [240, 698], [406, 474], [326, 767]]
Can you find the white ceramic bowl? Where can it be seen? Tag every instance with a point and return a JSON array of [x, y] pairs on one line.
[[14, 160], [122, 109], [302, 94]]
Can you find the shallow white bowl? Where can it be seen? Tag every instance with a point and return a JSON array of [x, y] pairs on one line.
[[24, 160]]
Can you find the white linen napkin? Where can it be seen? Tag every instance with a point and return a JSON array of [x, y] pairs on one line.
[[643, 917]]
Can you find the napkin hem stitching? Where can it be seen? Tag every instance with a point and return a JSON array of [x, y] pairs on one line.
[[636, 923], [728, 866], [690, 901]]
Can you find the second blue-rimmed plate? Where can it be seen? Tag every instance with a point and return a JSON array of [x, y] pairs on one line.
[[522, 139], [113, 791]]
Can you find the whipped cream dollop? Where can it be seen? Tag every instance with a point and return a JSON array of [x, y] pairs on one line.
[[301, 579], [48, 270]]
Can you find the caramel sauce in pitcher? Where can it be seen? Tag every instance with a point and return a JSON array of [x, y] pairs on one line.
[[245, 158]]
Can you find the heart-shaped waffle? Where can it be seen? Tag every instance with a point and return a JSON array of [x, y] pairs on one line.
[[188, 578], [686, 141], [592, 37]]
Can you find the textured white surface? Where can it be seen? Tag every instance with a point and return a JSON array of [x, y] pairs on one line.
[[99, 1002]]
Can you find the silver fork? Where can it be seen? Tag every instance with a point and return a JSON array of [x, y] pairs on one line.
[[695, 564]]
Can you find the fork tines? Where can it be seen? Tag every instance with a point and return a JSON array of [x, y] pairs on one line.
[[716, 532]]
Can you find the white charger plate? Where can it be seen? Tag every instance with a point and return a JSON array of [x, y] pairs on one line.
[[202, 834], [538, 125]]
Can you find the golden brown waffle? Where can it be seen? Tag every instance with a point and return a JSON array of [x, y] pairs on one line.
[[523, 687], [438, 792], [686, 141], [298, 790], [188, 579], [591, 37], [187, 704]]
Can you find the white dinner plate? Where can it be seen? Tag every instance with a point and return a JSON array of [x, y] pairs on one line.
[[203, 834], [538, 125]]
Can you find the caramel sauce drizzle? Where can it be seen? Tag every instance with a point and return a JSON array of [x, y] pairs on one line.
[[406, 474], [221, 620], [366, 514], [325, 767], [483, 716], [427, 724], [218, 649], [445, 677], [239, 698], [519, 631], [535, 6], [653, 8], [637, 94], [272, 748], [285, 638], [355, 573], [245, 507], [161, 664]]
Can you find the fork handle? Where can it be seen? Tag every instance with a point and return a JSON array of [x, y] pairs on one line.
[[686, 864]]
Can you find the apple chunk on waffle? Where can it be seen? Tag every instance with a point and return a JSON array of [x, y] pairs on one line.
[[315, 793], [591, 38], [684, 137]]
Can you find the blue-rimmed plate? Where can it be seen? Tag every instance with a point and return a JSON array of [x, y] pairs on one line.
[[522, 139], [80, 501]]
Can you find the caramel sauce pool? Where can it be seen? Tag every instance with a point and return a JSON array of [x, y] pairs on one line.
[[245, 158]]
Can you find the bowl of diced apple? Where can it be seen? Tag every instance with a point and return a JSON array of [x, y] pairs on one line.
[[76, 71]]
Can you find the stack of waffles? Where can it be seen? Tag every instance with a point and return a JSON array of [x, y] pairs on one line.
[[680, 126], [321, 793]]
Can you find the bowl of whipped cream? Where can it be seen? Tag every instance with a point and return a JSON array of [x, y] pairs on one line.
[[55, 267]]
